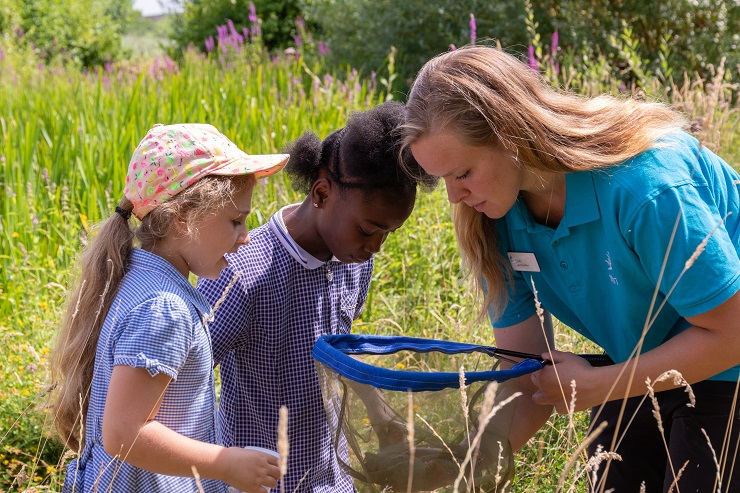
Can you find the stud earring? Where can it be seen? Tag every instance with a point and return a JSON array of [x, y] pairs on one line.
[[315, 204]]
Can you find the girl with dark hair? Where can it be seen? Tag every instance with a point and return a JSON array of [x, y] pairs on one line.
[[622, 226], [304, 274]]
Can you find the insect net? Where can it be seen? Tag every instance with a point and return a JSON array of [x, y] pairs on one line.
[[382, 393]]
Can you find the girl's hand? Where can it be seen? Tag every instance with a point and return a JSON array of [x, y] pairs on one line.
[[553, 383], [249, 470]]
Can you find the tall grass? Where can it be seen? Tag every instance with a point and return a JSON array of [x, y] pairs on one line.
[[66, 138]]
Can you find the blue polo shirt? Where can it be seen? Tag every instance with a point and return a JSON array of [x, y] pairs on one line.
[[598, 270]]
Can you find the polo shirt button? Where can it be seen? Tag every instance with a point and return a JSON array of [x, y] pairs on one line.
[[556, 243], [563, 265]]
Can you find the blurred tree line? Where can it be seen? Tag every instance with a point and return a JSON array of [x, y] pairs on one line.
[[631, 35], [85, 32]]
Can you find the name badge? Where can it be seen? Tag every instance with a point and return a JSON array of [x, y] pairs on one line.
[[524, 262]]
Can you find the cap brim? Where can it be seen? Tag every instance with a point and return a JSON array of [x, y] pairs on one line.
[[260, 165]]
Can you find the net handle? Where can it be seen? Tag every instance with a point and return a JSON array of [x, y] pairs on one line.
[[596, 360]]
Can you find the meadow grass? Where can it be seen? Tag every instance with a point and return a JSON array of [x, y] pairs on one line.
[[66, 138]]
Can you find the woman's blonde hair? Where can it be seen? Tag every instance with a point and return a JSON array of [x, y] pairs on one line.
[[102, 266], [490, 98]]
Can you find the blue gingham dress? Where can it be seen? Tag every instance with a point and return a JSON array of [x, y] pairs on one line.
[[263, 334], [155, 322]]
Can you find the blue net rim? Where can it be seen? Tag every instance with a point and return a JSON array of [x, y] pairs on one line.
[[334, 352]]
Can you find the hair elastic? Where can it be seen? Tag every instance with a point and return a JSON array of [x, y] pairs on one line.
[[123, 213]]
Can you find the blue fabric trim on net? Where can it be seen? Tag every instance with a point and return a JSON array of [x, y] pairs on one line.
[[334, 351]]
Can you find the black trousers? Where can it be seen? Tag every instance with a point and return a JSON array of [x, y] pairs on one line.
[[644, 455]]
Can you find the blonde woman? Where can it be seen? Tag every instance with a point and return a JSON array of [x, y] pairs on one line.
[[598, 207]]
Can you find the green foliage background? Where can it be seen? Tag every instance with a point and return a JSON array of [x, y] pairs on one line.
[[199, 19], [67, 134], [79, 31]]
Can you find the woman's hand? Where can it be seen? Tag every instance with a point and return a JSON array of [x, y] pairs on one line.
[[553, 383], [248, 470]]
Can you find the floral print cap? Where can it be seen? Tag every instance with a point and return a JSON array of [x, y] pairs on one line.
[[172, 157]]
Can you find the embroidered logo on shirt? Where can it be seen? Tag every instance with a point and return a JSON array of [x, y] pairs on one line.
[[608, 261]]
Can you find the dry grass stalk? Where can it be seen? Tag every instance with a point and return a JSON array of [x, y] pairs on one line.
[[718, 482], [656, 412], [441, 440], [228, 287], [581, 447], [674, 484], [466, 415], [487, 412], [410, 437], [283, 447], [197, 479], [541, 315], [728, 434], [499, 465], [77, 305], [464, 400], [595, 461], [707, 104], [679, 381]]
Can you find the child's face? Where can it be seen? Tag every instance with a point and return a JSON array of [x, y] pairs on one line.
[[216, 234], [355, 224]]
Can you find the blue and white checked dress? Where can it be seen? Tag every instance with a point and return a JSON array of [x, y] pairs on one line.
[[263, 334], [155, 322]]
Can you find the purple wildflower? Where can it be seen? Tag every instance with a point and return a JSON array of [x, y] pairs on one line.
[[323, 48], [256, 30], [169, 64], [298, 40], [20, 32], [554, 47], [472, 29], [252, 13], [453, 47], [210, 44], [532, 60]]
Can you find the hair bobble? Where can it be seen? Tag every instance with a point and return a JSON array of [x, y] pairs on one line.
[[126, 215]]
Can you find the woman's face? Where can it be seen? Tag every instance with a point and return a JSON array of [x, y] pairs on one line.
[[487, 179], [354, 224]]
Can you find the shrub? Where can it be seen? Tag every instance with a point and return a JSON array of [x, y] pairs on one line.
[[200, 19], [691, 34], [87, 33]]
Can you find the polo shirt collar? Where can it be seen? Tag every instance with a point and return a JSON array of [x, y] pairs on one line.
[[277, 226], [148, 261], [581, 205]]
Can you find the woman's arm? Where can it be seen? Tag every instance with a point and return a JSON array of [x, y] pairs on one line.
[[528, 337], [709, 347], [130, 432]]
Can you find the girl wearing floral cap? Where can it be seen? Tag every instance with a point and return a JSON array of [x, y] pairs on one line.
[[316, 281], [133, 365]]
